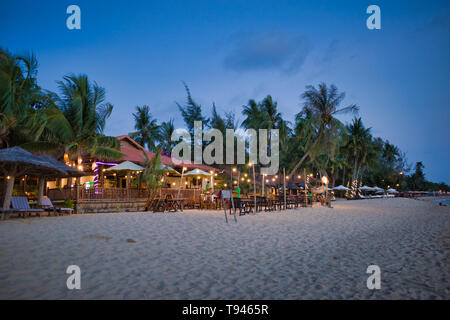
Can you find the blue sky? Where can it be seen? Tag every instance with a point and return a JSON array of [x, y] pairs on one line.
[[231, 51]]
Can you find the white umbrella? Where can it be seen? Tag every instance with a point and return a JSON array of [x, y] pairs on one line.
[[168, 169], [391, 191], [366, 188], [127, 166], [378, 189], [340, 188], [198, 173]]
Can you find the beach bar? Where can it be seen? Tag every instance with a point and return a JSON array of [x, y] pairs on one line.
[[111, 185]]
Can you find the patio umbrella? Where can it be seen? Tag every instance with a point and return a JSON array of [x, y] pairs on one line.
[[70, 172], [366, 188], [391, 191], [198, 173], [168, 169], [126, 166], [378, 189], [340, 188], [16, 162]]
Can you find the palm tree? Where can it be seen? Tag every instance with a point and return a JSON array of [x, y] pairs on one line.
[[83, 104], [167, 128], [323, 106], [254, 114], [26, 112], [191, 112], [152, 176], [147, 130], [357, 147]]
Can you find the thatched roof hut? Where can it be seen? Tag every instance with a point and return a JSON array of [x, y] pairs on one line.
[[16, 162], [70, 171]]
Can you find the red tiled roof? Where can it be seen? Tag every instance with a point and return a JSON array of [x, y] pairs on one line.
[[135, 155]]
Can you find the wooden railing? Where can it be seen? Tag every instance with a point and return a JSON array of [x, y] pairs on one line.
[[116, 194]]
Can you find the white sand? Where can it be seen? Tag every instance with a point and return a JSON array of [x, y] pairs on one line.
[[309, 253]]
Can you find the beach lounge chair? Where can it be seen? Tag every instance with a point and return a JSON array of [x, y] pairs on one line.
[[47, 205], [21, 206]]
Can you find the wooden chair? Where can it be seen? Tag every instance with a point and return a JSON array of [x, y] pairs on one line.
[[47, 205], [323, 201], [22, 207]]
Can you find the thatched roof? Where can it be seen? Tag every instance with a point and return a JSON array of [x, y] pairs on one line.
[[71, 172], [17, 161]]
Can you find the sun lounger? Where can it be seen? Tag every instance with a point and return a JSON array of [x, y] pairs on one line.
[[48, 206], [21, 206]]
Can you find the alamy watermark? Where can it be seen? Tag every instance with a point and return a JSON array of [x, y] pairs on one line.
[[374, 280], [374, 20], [74, 280], [74, 20]]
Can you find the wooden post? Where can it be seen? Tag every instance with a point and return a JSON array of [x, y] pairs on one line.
[[77, 181], [306, 193], [128, 184], [41, 185], [284, 187], [263, 182], [181, 182], [254, 184], [8, 194]]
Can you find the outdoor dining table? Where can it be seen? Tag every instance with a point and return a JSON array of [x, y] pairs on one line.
[[246, 205], [173, 205]]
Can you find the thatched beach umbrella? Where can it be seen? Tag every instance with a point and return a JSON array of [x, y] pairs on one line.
[[16, 162], [70, 172]]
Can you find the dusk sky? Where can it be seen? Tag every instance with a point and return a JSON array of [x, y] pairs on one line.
[[231, 51]]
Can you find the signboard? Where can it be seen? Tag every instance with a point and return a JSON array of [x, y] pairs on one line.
[[227, 194]]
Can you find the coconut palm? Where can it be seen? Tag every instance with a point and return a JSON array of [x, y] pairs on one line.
[[167, 128], [152, 176], [191, 112], [323, 105], [254, 115], [83, 104], [147, 129], [26, 112], [358, 147]]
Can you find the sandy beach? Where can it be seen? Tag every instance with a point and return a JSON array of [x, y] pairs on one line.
[[308, 253]]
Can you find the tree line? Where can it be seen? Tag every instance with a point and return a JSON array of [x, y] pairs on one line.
[[71, 123]]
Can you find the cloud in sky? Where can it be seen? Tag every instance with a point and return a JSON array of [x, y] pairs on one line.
[[274, 50]]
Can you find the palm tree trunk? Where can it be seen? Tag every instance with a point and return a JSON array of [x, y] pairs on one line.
[[305, 155], [354, 185]]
